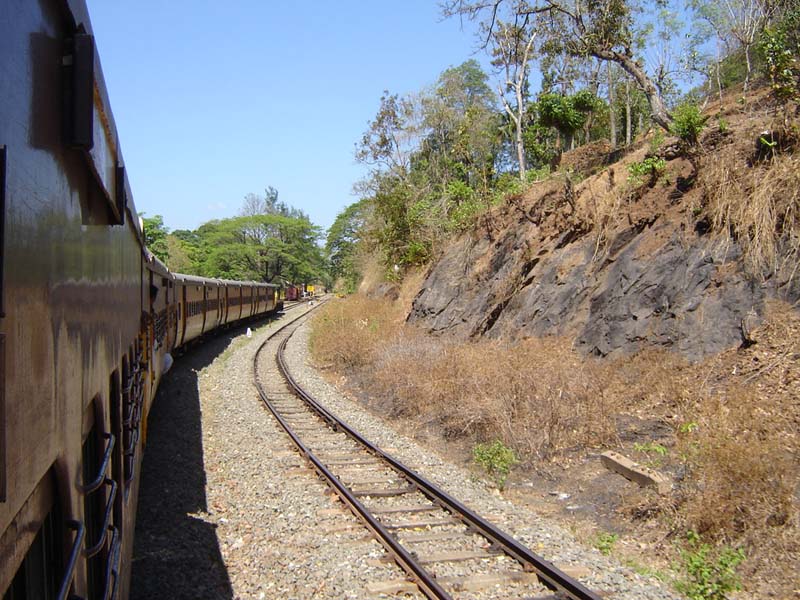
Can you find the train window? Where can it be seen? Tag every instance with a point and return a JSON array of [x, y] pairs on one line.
[[2, 242], [115, 411], [39, 574], [93, 504]]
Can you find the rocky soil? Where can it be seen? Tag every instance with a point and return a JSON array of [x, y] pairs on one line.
[[228, 510], [617, 265]]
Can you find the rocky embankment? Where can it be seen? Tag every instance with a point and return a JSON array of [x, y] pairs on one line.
[[614, 266]]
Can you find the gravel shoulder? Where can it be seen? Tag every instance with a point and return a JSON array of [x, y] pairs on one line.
[[228, 509]]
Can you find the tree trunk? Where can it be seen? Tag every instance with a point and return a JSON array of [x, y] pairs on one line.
[[521, 151], [612, 115], [658, 110], [628, 119], [719, 71], [749, 66]]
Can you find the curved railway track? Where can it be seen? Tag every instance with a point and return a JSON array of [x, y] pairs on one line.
[[458, 552]]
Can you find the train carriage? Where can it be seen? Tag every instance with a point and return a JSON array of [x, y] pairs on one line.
[[88, 316], [71, 390]]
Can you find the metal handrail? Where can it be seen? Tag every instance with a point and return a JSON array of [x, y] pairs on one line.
[[98, 481], [92, 551], [112, 566], [66, 582]]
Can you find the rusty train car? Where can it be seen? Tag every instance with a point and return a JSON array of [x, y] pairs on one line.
[[88, 316]]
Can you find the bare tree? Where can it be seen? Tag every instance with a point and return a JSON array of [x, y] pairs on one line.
[[513, 49], [603, 29], [741, 19]]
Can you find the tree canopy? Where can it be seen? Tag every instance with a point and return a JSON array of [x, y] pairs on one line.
[[270, 241]]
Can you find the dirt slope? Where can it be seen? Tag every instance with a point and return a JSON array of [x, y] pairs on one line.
[[617, 265]]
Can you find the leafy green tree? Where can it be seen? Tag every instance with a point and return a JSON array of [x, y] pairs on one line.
[[460, 123], [780, 47], [344, 241], [567, 114], [262, 248], [180, 256], [155, 236]]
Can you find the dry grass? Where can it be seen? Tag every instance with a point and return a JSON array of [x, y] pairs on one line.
[[756, 203], [733, 421], [739, 468], [347, 333], [538, 396]]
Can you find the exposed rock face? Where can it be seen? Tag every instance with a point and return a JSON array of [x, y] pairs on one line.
[[651, 285]]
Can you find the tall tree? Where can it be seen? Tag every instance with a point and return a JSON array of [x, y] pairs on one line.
[[155, 236], [603, 29], [390, 138], [344, 241], [512, 51], [459, 124], [743, 20]]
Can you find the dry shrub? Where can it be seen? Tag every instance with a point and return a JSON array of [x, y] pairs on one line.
[[742, 478], [346, 333], [653, 382], [758, 205], [537, 396], [601, 206]]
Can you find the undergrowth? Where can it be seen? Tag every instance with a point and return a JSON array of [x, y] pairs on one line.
[[733, 418], [758, 206]]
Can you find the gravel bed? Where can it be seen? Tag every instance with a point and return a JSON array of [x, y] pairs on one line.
[[228, 509], [603, 574], [243, 517]]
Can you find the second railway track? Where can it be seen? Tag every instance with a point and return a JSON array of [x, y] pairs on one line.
[[445, 549]]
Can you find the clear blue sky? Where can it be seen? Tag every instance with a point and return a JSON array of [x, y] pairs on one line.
[[214, 100]]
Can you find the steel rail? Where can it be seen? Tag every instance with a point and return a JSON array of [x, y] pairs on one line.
[[404, 559], [550, 575]]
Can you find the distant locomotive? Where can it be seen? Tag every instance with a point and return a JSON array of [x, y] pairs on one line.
[[88, 316]]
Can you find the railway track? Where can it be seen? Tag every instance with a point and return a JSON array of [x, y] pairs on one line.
[[446, 550]]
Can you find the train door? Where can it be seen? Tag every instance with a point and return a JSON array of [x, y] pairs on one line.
[[45, 570], [226, 303], [204, 304], [217, 305], [182, 312]]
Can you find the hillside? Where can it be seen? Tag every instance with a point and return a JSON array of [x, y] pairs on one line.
[[652, 315], [620, 266]]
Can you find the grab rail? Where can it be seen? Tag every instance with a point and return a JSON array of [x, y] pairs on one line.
[[66, 582], [92, 551], [112, 566], [101, 475]]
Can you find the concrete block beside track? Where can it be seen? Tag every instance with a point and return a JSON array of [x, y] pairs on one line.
[[644, 476]]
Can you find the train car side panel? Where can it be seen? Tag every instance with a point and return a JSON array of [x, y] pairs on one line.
[[72, 265]]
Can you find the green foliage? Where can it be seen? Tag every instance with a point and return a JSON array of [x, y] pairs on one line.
[[780, 48], [649, 169], [688, 122], [261, 248], [709, 573], [497, 459], [155, 236], [651, 448], [604, 542], [657, 141], [344, 242], [561, 112]]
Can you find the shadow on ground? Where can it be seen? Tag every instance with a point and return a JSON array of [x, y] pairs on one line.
[[176, 553]]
